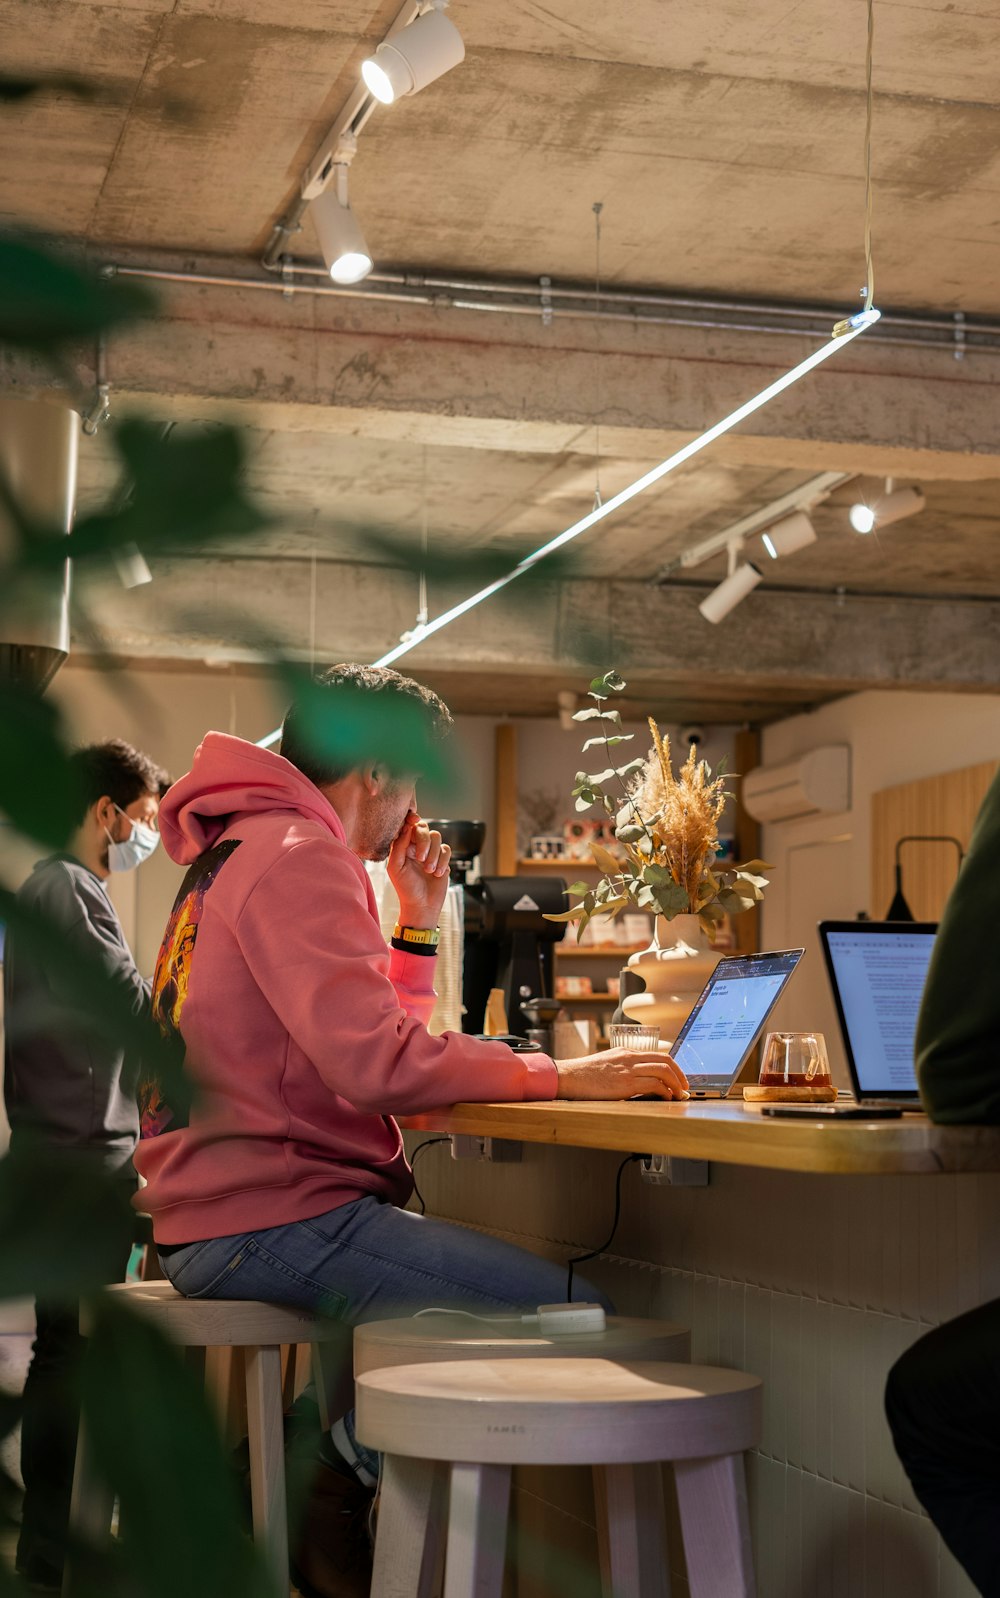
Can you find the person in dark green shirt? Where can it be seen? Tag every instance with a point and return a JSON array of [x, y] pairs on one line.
[[943, 1396], [73, 1088]]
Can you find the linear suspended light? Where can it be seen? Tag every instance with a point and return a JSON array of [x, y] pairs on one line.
[[844, 332]]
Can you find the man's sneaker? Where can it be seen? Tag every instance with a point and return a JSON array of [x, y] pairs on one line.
[[333, 1554]]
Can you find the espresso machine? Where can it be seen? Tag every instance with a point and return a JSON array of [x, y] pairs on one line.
[[508, 942]]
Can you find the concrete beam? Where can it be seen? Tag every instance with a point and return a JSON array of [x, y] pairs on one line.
[[778, 647], [496, 381]]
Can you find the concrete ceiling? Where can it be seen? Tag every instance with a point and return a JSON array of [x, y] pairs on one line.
[[725, 142]]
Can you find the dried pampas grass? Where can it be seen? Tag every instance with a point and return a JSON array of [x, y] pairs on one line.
[[681, 815]]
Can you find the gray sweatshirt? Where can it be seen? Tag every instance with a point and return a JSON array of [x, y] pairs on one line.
[[62, 1078]]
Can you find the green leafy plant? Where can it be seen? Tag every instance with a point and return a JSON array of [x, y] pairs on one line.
[[666, 826]]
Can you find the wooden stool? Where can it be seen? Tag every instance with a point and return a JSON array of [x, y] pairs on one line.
[[423, 1338], [417, 1339], [258, 1330], [462, 1425]]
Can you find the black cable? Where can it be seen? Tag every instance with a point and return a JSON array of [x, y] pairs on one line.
[[427, 1144], [579, 1259]]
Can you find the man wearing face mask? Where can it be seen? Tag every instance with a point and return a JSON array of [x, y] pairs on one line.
[[75, 1090]]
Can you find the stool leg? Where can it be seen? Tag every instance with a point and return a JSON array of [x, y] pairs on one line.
[[631, 1531], [712, 1499], [267, 1460], [91, 1508], [410, 1516], [477, 1531]]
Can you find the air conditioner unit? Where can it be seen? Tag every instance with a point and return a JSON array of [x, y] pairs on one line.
[[816, 782]]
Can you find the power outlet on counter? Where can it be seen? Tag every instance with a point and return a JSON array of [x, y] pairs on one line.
[[664, 1170], [497, 1150]]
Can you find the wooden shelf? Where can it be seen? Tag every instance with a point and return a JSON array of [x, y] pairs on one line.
[[562, 867], [606, 951], [587, 998]]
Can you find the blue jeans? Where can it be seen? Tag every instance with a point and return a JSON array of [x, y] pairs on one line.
[[368, 1260]]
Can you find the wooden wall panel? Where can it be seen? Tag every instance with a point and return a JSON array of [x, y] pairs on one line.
[[506, 798], [945, 804]]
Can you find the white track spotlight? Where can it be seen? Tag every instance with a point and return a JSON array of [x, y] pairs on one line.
[[130, 564], [790, 534], [717, 605], [409, 60], [341, 241], [892, 507]]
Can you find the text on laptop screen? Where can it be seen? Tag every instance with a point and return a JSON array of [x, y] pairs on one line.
[[880, 977], [724, 1022]]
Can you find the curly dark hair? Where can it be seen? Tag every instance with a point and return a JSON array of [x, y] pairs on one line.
[[116, 769], [380, 717]]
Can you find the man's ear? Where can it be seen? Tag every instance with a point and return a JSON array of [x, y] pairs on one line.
[[373, 780], [104, 811]]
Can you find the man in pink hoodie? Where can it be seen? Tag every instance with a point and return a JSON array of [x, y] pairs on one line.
[[304, 1035]]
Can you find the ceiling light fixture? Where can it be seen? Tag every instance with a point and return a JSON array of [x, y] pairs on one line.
[[894, 506], [409, 60], [130, 564], [341, 241], [791, 534], [730, 592], [846, 330], [850, 328]]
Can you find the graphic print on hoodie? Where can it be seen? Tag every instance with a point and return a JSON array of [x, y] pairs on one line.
[[172, 978]]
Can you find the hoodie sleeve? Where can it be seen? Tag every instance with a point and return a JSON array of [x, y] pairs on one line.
[[318, 957], [958, 1030]]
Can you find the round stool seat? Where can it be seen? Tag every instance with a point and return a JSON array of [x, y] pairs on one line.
[[416, 1339], [558, 1411], [220, 1322]]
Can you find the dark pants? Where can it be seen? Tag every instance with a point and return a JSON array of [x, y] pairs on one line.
[[49, 1424], [942, 1400]]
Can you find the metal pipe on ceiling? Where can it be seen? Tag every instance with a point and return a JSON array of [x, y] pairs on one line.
[[495, 295]]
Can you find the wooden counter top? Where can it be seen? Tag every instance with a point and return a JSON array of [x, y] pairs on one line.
[[730, 1132]]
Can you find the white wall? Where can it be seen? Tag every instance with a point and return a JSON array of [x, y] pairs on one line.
[[167, 713], [822, 864]]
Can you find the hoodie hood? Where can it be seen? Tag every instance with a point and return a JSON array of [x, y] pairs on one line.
[[230, 777]]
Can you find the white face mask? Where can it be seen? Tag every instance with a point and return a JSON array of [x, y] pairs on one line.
[[136, 848]]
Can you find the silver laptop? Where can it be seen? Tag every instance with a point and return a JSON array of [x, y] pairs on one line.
[[877, 970], [728, 1018]]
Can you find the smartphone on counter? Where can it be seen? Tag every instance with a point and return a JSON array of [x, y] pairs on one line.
[[842, 1112]]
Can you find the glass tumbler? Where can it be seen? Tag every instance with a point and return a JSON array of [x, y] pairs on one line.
[[630, 1035], [794, 1060]]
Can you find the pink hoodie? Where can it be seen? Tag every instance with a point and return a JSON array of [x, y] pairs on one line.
[[304, 1033]]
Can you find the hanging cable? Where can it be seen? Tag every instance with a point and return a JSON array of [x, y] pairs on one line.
[[422, 612], [868, 291], [597, 208], [580, 1259], [427, 1144], [869, 198]]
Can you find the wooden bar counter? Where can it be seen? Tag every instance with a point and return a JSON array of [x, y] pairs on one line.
[[732, 1133]]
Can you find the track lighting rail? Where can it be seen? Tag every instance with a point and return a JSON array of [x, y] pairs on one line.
[[548, 300]]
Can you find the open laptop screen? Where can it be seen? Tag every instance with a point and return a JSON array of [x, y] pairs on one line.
[[878, 971], [729, 1014]]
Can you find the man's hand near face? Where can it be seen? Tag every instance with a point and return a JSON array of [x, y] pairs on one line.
[[418, 870]]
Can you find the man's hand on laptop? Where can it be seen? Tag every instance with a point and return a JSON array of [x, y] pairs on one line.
[[418, 870], [621, 1074]]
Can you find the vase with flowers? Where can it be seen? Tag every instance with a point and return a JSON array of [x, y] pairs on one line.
[[667, 829]]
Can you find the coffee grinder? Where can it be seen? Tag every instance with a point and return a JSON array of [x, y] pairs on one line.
[[508, 943]]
